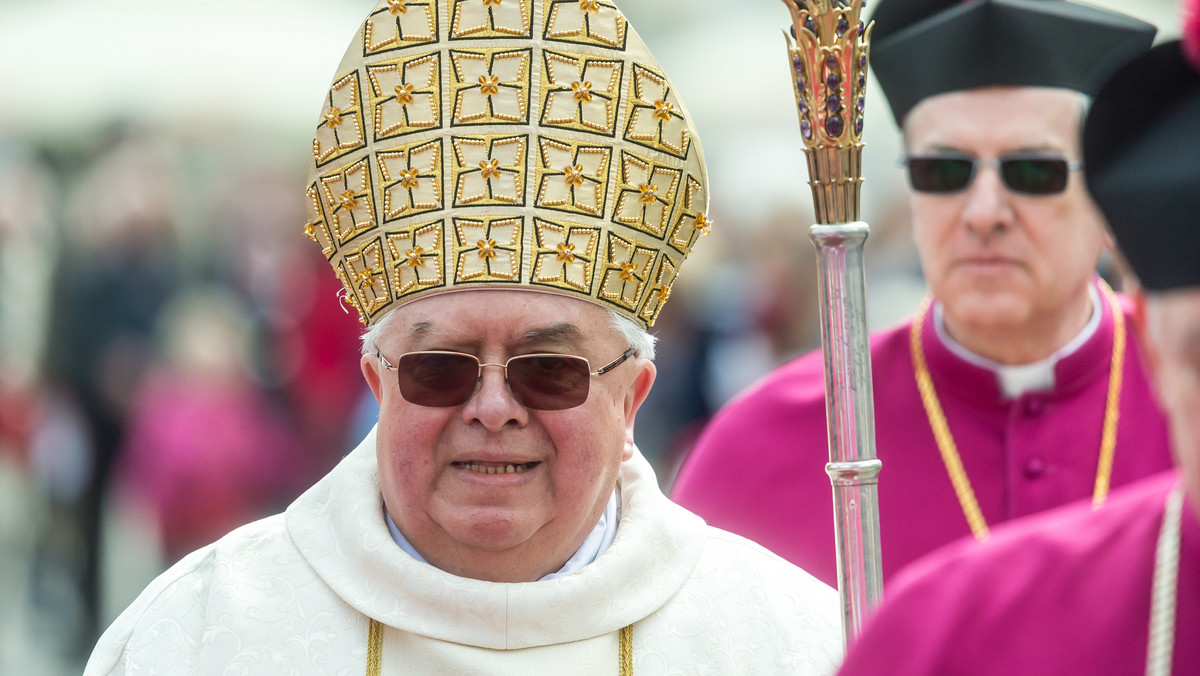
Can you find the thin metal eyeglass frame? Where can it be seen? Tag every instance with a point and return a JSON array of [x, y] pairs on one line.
[[598, 372]]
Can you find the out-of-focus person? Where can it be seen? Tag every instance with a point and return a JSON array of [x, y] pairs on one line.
[[1015, 388], [1075, 591], [506, 190]]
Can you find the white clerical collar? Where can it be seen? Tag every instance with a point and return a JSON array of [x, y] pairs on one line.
[[1018, 379], [593, 546]]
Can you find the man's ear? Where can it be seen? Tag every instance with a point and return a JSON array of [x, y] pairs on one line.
[[634, 398], [370, 369]]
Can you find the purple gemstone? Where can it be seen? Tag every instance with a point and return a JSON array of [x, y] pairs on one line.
[[861, 26], [833, 103], [835, 126], [809, 25], [831, 62], [862, 103], [862, 61], [833, 81], [806, 128], [842, 26], [797, 63], [858, 125], [803, 107], [800, 84], [862, 80]]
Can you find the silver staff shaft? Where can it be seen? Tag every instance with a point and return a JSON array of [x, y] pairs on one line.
[[850, 415]]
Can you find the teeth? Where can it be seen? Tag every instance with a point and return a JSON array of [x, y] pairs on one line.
[[492, 469]]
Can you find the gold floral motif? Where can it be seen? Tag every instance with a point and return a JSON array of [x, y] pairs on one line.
[[333, 119], [487, 248], [408, 179], [398, 6], [488, 85], [583, 91], [627, 271], [404, 94], [649, 193], [663, 110], [703, 225], [574, 175], [566, 252], [348, 200], [489, 169], [589, 6], [491, 3], [413, 257]]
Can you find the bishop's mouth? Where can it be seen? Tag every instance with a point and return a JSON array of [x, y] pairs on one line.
[[496, 467]]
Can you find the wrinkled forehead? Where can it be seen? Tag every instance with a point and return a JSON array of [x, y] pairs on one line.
[[998, 119], [509, 317]]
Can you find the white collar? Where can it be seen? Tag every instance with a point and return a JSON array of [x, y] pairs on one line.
[[1017, 379], [593, 546]]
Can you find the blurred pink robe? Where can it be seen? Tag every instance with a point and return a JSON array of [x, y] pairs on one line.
[[1066, 592], [759, 467]]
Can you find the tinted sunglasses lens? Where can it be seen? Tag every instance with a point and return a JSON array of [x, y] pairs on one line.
[[939, 174], [437, 379], [1035, 176], [549, 382]]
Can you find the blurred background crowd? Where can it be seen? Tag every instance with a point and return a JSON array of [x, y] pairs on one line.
[[174, 361]]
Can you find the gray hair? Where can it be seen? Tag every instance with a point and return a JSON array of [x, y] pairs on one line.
[[637, 337]]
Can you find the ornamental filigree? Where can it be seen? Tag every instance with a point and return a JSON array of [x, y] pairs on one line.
[[580, 92], [655, 120], [829, 48]]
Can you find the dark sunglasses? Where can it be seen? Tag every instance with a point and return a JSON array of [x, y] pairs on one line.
[[545, 382], [1025, 174]]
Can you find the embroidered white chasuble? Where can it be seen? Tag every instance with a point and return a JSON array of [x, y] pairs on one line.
[[292, 594]]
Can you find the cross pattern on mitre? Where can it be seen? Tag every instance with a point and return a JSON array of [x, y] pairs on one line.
[[406, 95], [565, 255], [592, 22], [412, 179], [491, 86], [491, 18], [400, 23], [580, 92], [488, 249], [419, 261]]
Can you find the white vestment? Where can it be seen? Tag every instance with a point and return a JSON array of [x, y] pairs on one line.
[[292, 594]]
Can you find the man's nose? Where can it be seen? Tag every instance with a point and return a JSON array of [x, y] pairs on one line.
[[988, 204]]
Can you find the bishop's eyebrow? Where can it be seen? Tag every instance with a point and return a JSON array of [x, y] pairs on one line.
[[561, 332]]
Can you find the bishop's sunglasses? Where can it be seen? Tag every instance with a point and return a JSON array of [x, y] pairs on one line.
[[545, 382], [1028, 174]]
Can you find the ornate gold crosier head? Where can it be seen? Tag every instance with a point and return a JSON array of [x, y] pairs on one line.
[[829, 48]]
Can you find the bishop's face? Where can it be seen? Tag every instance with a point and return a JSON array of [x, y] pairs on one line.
[[997, 259], [437, 464], [1172, 341]]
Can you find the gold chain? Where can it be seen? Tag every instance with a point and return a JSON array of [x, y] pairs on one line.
[[945, 440], [375, 649]]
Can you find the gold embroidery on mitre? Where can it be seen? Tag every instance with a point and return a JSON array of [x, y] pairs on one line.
[[491, 19], [589, 22], [368, 277], [418, 259], [655, 118], [488, 249], [489, 170], [347, 194], [411, 179], [341, 128], [400, 23], [491, 87], [660, 289], [406, 95], [419, 140], [646, 195], [691, 222], [626, 268], [318, 229], [564, 255], [572, 177], [580, 93]]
